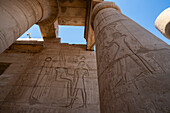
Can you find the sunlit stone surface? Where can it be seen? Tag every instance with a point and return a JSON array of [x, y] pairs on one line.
[[133, 65], [162, 23]]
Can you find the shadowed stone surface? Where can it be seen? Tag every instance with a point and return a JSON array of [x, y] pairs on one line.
[[61, 78], [133, 65]]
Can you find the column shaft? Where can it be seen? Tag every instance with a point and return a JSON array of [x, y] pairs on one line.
[[133, 65], [16, 16]]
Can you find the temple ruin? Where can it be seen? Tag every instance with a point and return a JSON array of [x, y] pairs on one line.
[[128, 73]]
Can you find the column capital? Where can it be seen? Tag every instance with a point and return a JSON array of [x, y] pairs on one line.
[[102, 5], [50, 11], [162, 23]]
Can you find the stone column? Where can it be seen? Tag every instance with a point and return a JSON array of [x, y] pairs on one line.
[[17, 16], [162, 23], [133, 64]]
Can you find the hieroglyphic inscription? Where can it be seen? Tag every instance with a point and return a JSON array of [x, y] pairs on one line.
[[127, 69], [117, 50], [75, 83], [60, 81]]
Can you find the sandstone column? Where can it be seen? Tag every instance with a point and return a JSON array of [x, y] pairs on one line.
[[133, 64], [17, 16], [162, 23]]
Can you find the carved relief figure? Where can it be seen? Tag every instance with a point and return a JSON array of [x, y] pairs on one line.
[[123, 52], [43, 80], [74, 89], [79, 85], [62, 75], [75, 83], [126, 61]]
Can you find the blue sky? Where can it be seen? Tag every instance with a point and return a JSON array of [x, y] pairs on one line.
[[144, 12]]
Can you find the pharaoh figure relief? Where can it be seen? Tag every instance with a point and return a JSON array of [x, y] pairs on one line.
[[71, 80]]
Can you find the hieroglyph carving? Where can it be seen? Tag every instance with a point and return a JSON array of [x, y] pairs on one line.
[[116, 51], [74, 82], [124, 66]]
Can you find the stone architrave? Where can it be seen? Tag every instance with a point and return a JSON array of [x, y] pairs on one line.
[[133, 64]]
